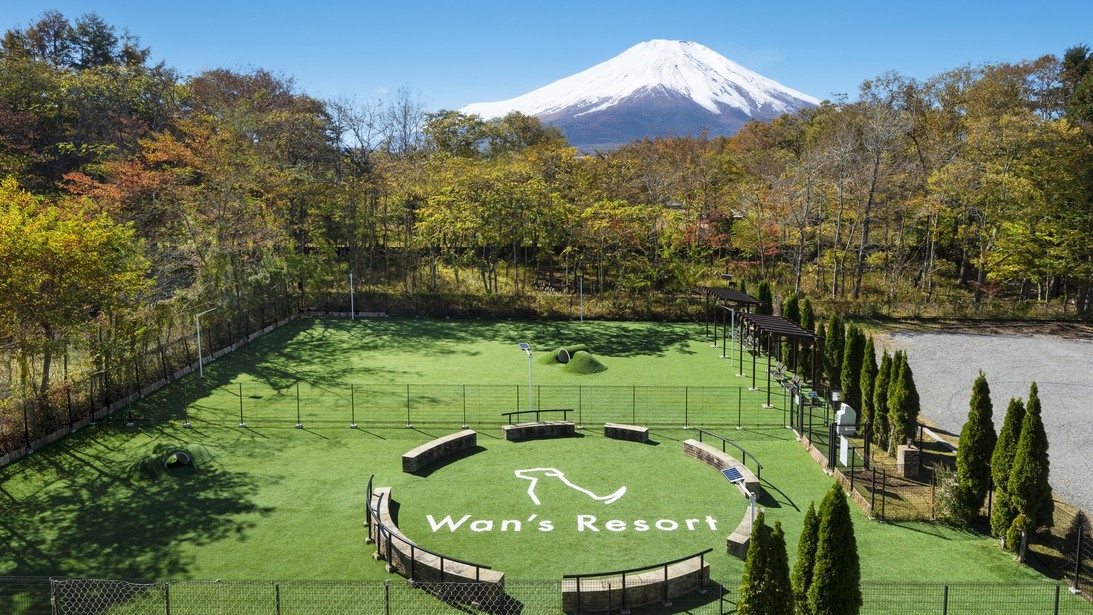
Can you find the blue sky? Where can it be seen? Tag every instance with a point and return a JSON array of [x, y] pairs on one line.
[[449, 54]]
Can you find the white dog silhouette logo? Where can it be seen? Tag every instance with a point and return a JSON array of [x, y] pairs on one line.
[[556, 473]]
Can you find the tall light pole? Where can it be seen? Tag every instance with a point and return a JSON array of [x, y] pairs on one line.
[[526, 347], [352, 300], [200, 363]]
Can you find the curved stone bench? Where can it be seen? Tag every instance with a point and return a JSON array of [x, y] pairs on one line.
[[619, 431], [737, 542], [720, 460], [656, 585], [437, 449], [485, 586], [537, 430]]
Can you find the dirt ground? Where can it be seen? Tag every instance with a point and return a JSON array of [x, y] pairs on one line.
[[946, 358]]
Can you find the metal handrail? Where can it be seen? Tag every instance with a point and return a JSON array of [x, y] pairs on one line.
[[724, 441], [622, 573], [383, 529]]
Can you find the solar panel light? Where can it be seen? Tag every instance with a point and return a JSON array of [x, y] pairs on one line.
[[526, 347]]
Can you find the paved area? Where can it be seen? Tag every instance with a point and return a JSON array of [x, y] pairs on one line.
[[946, 364]]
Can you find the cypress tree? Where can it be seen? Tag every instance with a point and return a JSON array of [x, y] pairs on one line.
[[973, 457], [766, 299], [833, 350], [853, 355], [880, 400], [781, 591], [808, 323], [903, 403], [867, 381], [1002, 511], [754, 585], [806, 556], [791, 311], [836, 575], [1028, 486]]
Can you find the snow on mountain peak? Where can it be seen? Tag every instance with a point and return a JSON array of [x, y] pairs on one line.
[[687, 69]]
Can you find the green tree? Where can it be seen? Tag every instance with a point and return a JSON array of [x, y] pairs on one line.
[[867, 382], [791, 311], [850, 373], [1028, 486], [881, 427], [766, 299], [834, 345], [807, 321], [754, 585], [780, 588], [806, 559], [1005, 449], [836, 575], [903, 401], [973, 457], [61, 266]]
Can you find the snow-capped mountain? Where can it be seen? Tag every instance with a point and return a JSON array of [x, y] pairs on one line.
[[656, 88]]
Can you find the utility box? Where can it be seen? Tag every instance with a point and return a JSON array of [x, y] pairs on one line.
[[846, 420]]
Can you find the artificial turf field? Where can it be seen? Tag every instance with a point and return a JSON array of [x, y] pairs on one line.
[[270, 501]]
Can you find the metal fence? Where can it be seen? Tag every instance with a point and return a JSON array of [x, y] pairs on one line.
[[306, 403], [62, 596]]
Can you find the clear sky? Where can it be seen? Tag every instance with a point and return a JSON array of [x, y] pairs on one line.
[[450, 54]]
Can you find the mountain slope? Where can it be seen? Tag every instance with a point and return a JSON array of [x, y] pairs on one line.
[[656, 88]]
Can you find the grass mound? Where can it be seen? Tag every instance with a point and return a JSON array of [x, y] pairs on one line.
[[582, 362], [564, 354], [160, 459]]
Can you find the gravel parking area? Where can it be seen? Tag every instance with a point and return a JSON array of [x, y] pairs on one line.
[[946, 364]]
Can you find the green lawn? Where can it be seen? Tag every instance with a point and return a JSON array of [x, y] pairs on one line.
[[273, 502]]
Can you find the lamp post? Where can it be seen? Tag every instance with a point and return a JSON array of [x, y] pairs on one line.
[[352, 300], [200, 364], [526, 347]]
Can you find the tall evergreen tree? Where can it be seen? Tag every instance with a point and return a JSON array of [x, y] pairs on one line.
[[853, 355], [807, 321], [754, 585], [791, 311], [867, 381], [766, 299], [834, 344], [973, 457], [836, 575], [880, 400], [1028, 486], [1005, 449], [903, 401], [781, 591], [806, 559]]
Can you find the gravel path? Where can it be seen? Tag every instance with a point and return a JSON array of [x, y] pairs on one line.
[[946, 364]]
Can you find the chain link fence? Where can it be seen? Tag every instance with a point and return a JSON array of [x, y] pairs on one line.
[[59, 596]]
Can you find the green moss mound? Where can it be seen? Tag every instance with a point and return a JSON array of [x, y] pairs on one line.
[[583, 362], [564, 354]]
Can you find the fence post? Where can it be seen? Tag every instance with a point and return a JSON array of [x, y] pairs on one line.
[[387, 596], [410, 424], [852, 451], [739, 405], [945, 602], [167, 598], [352, 406], [277, 598], [242, 423], [299, 425], [464, 391], [686, 407], [1056, 600]]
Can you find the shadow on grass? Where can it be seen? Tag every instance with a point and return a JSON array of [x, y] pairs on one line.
[[449, 460], [138, 524]]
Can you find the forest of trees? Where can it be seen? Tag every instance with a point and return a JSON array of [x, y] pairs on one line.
[[133, 197]]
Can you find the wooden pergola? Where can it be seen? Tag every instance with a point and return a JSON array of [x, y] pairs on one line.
[[729, 301], [766, 331]]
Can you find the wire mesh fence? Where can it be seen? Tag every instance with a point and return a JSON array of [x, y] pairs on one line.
[[62, 596], [302, 403]]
